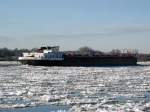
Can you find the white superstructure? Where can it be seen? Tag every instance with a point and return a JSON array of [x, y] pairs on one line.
[[44, 53]]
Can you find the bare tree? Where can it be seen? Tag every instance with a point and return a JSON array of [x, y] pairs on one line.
[[115, 52], [86, 50]]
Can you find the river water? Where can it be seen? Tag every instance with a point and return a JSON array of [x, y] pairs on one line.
[[74, 89]]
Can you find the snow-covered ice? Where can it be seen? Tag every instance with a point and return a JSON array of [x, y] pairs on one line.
[[90, 89]]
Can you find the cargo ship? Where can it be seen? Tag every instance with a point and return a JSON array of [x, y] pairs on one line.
[[51, 56]]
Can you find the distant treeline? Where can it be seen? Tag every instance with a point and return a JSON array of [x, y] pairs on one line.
[[143, 57], [13, 54]]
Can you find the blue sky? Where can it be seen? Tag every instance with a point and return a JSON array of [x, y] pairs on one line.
[[100, 24]]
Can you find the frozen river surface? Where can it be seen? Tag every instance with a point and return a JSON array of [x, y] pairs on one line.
[[88, 89]]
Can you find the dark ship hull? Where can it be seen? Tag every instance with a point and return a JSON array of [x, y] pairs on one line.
[[86, 61]]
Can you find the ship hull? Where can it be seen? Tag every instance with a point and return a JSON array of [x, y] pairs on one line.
[[85, 61]]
